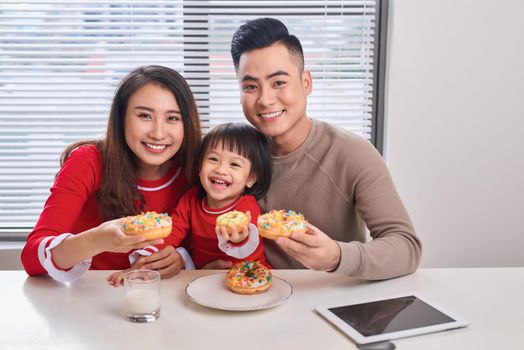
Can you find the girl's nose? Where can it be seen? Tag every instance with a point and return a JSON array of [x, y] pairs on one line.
[[220, 169]]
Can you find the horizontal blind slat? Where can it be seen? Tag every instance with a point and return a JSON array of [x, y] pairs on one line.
[[61, 62]]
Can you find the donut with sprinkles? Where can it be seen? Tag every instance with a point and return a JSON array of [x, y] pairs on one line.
[[232, 219], [279, 223], [151, 225], [248, 277]]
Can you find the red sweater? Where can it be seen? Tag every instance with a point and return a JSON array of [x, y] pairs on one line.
[[192, 216], [72, 206]]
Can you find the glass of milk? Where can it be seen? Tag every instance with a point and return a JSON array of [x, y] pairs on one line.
[[142, 295]]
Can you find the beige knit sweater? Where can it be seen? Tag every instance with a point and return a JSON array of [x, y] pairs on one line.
[[341, 184]]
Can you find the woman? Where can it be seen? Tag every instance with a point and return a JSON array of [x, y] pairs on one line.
[[143, 163]]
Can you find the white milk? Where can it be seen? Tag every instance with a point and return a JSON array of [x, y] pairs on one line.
[[142, 301]]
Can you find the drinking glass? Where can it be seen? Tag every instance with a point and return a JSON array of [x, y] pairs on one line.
[[142, 295]]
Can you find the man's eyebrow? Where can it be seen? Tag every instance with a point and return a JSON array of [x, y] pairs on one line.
[[278, 72], [272, 75], [248, 77]]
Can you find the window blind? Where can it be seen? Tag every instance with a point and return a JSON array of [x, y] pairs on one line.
[[60, 62]]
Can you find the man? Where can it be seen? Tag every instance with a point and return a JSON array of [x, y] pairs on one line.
[[336, 179]]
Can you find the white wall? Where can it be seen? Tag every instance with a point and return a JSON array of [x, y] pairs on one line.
[[455, 127]]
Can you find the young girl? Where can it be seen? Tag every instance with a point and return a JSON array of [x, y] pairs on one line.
[[143, 163], [234, 171]]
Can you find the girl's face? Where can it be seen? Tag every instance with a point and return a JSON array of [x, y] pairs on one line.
[[154, 130], [224, 175]]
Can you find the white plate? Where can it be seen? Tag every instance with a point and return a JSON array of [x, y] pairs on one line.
[[212, 291]]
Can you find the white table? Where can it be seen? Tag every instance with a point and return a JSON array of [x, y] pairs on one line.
[[38, 313]]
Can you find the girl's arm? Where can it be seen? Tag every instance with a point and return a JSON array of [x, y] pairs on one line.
[[251, 245]]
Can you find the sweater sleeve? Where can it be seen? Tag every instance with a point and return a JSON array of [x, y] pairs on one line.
[[78, 178], [181, 217], [395, 249]]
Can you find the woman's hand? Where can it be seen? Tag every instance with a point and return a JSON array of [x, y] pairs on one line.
[[235, 236], [110, 238], [167, 262]]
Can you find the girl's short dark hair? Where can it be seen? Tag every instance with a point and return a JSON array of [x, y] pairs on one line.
[[264, 32], [249, 143]]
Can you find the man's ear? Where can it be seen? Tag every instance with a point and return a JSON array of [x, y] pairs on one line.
[[307, 81]]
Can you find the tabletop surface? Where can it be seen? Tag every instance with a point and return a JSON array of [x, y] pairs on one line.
[[38, 313]]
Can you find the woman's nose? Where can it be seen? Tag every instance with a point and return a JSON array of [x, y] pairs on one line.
[[157, 130]]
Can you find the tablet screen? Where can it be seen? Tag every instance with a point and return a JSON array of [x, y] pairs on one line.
[[390, 315]]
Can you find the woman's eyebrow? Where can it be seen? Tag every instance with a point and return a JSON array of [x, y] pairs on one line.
[[152, 110]]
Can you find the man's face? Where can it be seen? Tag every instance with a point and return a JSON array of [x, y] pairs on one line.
[[273, 91]]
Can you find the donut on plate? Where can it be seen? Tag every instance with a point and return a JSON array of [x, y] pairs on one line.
[[151, 225], [233, 219], [278, 223], [248, 277]]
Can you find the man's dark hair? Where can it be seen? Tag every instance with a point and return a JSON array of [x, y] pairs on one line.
[[263, 32]]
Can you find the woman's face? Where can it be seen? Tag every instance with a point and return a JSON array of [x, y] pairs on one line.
[[154, 130]]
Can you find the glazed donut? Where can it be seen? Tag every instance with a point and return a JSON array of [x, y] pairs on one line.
[[150, 225], [280, 223], [248, 277], [233, 219]]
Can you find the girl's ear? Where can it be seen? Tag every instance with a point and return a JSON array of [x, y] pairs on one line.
[[251, 181]]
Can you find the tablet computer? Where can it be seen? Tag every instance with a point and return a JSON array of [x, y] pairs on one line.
[[391, 318]]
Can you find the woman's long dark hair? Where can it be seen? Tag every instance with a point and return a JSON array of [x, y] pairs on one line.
[[118, 195]]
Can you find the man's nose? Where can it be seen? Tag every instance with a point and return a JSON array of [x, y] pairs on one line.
[[266, 97]]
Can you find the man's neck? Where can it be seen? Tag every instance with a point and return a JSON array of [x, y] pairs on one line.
[[288, 142]]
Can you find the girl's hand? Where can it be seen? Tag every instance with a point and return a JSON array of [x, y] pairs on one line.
[[116, 278], [109, 237], [235, 236]]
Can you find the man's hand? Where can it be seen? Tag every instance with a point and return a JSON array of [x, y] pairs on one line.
[[314, 249]]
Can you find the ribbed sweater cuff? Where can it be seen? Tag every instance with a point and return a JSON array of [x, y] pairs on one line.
[[350, 258]]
